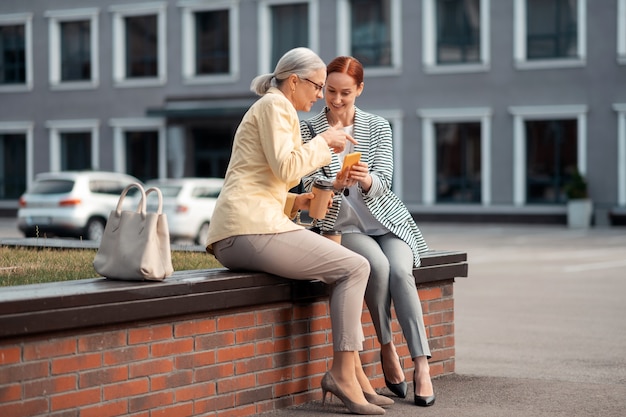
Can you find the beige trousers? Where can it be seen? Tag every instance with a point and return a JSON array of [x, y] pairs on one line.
[[304, 255]]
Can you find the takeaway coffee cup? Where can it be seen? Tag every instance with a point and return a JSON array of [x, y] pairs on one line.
[[334, 235], [322, 192]]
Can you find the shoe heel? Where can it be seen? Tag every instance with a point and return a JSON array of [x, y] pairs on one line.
[[329, 385]]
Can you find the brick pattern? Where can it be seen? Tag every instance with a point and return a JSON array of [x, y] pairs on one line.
[[236, 363]]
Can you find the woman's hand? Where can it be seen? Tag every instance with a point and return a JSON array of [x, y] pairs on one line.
[[336, 138], [303, 201], [359, 172]]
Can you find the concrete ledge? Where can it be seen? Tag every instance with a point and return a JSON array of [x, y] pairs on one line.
[[32, 309]]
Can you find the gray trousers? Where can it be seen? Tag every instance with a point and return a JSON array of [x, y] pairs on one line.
[[391, 278], [304, 255]]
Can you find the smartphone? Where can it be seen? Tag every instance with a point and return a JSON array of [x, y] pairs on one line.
[[349, 160]]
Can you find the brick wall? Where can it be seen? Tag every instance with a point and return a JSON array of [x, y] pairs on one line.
[[237, 362]]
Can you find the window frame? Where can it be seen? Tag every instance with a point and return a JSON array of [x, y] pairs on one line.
[[621, 32], [520, 47], [189, 8], [55, 19], [120, 12], [344, 43], [122, 125], [25, 19], [430, 117], [521, 114], [429, 42], [620, 108], [57, 127], [26, 128], [264, 22]]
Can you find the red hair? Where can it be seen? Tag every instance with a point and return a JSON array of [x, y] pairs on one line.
[[347, 65]]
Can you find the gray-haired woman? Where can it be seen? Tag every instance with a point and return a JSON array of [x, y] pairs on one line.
[[252, 226]]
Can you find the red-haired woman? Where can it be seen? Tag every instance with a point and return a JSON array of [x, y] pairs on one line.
[[376, 224]]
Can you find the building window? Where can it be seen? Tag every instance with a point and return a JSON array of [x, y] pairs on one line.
[[621, 32], [290, 28], [550, 33], [75, 51], [142, 154], [76, 151], [371, 31], [283, 25], [73, 38], [12, 165], [13, 49], [458, 162], [15, 52], [551, 159], [549, 145], [551, 30], [73, 144], [139, 148], [458, 31], [456, 35], [139, 44], [210, 41], [456, 155]]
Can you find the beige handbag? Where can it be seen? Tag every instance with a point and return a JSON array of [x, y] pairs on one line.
[[135, 245]]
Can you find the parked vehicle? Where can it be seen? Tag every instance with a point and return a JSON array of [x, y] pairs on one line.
[[70, 203], [188, 204]]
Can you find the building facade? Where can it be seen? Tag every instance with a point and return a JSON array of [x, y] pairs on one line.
[[494, 104]]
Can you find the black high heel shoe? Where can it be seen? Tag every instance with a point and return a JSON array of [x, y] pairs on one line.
[[422, 401], [400, 389]]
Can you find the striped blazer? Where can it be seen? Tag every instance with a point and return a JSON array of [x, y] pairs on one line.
[[373, 134]]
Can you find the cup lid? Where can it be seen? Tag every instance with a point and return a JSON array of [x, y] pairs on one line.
[[322, 184]]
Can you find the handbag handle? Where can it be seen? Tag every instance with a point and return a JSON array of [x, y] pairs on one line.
[[141, 207], [159, 194]]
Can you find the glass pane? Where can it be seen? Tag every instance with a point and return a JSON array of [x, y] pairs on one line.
[[75, 151], [552, 29], [552, 152], [52, 187], [12, 166], [141, 46], [458, 31], [12, 54], [212, 42], [458, 162], [210, 158], [290, 28], [142, 154], [371, 32], [75, 51]]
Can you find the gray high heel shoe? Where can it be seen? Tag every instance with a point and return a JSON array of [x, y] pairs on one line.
[[329, 385], [379, 400]]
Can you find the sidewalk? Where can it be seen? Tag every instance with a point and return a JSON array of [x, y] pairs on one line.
[[540, 325]]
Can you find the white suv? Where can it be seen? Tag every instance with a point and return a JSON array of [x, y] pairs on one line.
[[71, 203]]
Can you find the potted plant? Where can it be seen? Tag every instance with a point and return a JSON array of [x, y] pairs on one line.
[[579, 206]]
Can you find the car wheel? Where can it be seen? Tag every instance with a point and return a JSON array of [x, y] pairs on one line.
[[94, 230], [203, 232]]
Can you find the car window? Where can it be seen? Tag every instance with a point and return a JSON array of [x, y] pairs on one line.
[[52, 187], [205, 192], [169, 190], [106, 187]]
